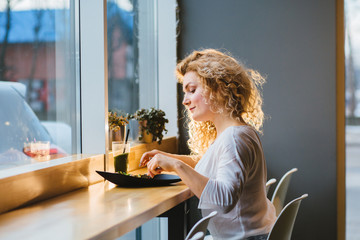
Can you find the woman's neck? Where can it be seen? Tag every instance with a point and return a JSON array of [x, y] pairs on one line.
[[221, 123]]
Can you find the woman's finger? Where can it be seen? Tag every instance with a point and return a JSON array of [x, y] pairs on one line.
[[142, 160], [153, 167], [152, 171], [146, 157]]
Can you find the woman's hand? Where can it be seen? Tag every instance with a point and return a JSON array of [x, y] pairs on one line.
[[190, 160], [146, 157], [160, 162]]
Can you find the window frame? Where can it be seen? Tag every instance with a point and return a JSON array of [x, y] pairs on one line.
[[159, 92], [94, 102]]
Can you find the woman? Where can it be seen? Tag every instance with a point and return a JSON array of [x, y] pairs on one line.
[[224, 103]]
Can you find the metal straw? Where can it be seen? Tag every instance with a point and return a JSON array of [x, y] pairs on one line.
[[126, 139]]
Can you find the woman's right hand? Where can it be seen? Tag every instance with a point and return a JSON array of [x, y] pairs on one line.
[[147, 156]]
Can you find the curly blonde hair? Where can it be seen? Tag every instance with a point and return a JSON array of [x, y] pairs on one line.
[[229, 87]]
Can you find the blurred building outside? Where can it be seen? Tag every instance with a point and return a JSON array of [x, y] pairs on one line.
[[352, 116]]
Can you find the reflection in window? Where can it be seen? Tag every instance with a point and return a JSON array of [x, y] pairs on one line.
[[352, 94], [38, 81], [123, 85]]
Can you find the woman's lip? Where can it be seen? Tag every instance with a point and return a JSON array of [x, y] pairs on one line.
[[191, 108]]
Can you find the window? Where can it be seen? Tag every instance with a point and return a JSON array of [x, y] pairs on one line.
[[39, 81], [61, 71], [122, 55], [352, 107], [141, 53], [123, 59]]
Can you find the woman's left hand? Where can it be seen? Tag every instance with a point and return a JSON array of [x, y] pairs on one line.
[[194, 180], [159, 163]]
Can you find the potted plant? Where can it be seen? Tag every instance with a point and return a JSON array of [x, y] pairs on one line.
[[117, 126], [152, 124]]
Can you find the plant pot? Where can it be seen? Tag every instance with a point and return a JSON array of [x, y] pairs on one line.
[[117, 135], [147, 137]]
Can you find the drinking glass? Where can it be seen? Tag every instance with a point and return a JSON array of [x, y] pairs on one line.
[[121, 153]]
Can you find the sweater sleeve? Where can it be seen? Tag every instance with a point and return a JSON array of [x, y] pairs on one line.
[[222, 192]]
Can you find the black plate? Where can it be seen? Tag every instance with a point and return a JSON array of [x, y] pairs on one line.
[[130, 181]]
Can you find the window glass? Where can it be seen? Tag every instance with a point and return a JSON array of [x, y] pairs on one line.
[[39, 81], [352, 107], [133, 57], [123, 34], [123, 85]]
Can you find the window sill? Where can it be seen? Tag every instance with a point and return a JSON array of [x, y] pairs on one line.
[[32, 183], [29, 184]]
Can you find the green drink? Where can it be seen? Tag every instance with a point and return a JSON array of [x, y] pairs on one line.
[[121, 156], [121, 162]]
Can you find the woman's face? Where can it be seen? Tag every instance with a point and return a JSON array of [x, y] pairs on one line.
[[194, 99]]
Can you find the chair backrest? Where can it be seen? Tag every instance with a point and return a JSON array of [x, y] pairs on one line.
[[284, 223], [269, 183], [279, 195], [200, 226], [198, 236]]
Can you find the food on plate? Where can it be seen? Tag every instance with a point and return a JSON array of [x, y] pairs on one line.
[[135, 175]]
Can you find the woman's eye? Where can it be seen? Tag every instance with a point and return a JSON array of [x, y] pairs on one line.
[[192, 90]]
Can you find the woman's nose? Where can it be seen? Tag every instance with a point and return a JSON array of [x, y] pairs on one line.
[[186, 101]]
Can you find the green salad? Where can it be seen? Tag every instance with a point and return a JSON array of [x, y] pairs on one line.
[[135, 175]]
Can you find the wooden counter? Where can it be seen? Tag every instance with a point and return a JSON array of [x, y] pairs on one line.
[[96, 210], [101, 211]]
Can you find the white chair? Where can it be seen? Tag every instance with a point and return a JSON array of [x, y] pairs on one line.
[[279, 195], [200, 226], [284, 223], [198, 236], [269, 183]]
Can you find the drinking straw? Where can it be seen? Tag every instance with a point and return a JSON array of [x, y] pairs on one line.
[[126, 139]]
